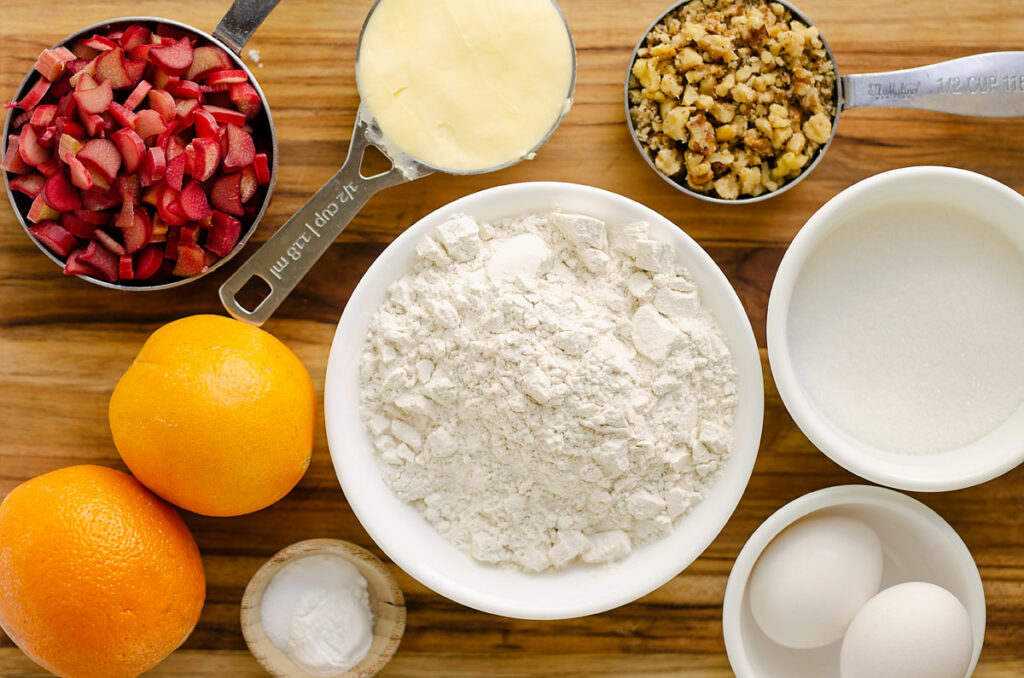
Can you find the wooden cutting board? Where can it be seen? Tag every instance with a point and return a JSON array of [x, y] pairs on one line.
[[64, 342]]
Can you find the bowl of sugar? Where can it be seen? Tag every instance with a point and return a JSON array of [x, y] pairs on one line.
[[894, 328]]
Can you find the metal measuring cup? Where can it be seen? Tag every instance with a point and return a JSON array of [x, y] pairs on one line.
[[234, 30], [291, 252], [989, 85]]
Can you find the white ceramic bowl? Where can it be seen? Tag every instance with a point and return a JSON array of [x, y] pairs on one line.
[[917, 545], [414, 545], [992, 455]]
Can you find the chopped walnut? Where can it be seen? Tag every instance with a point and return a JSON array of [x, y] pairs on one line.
[[734, 97]]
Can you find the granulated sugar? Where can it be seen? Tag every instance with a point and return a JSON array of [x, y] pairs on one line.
[[906, 328], [548, 389]]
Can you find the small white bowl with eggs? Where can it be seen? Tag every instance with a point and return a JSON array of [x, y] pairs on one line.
[[917, 545]]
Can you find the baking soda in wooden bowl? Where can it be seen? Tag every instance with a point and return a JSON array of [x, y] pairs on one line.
[[895, 327]]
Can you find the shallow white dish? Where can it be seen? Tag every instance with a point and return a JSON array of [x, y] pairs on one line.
[[917, 545], [970, 464], [414, 545]]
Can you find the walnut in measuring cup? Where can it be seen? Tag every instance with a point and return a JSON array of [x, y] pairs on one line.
[[732, 97]]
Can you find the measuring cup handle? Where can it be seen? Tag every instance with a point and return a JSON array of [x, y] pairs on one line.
[[241, 21], [289, 254], [985, 85]]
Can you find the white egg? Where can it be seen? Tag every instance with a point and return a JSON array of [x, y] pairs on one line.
[[912, 630], [811, 580]]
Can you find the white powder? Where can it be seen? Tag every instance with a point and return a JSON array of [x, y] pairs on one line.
[[906, 326], [316, 609], [547, 389]]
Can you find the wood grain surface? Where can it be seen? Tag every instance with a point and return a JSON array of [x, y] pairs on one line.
[[64, 342]]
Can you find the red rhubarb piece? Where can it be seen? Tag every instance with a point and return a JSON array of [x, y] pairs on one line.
[[135, 70], [186, 89], [101, 259], [54, 236], [205, 59], [75, 266], [101, 155], [33, 97], [225, 194], [60, 193], [124, 267], [123, 116], [69, 127], [100, 43], [43, 115], [40, 211], [176, 171], [97, 218], [77, 227], [173, 147], [149, 123], [108, 242], [225, 115], [248, 184], [163, 103], [174, 58], [185, 110], [80, 176], [216, 89], [140, 53], [193, 202], [153, 166], [246, 99], [73, 67], [203, 158], [224, 234], [52, 62], [225, 77], [206, 124], [162, 79], [134, 36], [30, 149], [126, 216], [97, 201], [160, 230], [49, 167], [129, 187], [95, 100], [189, 234], [68, 145], [137, 95], [110, 67], [241, 151], [29, 184], [148, 261], [13, 162], [167, 207], [191, 260], [131, 147], [139, 233], [94, 125]]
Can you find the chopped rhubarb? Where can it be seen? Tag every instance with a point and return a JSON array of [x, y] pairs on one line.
[[55, 237], [93, 123], [75, 266], [49, 167], [126, 216], [108, 242], [203, 158], [160, 230], [191, 260], [224, 234], [140, 52], [207, 58], [68, 145], [241, 151], [97, 200], [163, 103], [98, 218], [95, 100], [101, 259], [147, 261], [40, 211], [206, 124], [167, 207], [189, 234], [101, 155], [124, 267], [246, 99], [185, 110], [162, 79], [134, 36], [69, 127], [193, 202], [123, 116], [153, 166], [77, 227], [75, 66], [135, 70], [225, 77], [137, 95], [248, 184], [80, 176], [13, 162], [29, 147], [51, 62], [100, 43], [174, 58], [225, 115], [60, 194], [149, 123], [186, 89], [131, 147], [129, 187], [173, 147], [33, 97], [43, 115], [139, 233], [110, 67], [225, 194], [29, 184], [176, 171]]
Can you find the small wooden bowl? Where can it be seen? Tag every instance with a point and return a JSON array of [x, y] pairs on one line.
[[386, 602]]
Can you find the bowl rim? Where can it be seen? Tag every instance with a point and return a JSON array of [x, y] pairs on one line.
[[805, 414], [358, 470], [32, 75], [830, 497]]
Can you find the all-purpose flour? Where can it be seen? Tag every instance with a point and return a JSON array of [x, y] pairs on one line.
[[547, 389]]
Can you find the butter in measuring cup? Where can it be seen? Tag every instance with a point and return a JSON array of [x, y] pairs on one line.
[[466, 85]]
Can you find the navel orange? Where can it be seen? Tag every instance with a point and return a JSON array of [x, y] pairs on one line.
[[99, 578], [215, 416]]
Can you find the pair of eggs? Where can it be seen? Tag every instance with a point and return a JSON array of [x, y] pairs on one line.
[[818, 583]]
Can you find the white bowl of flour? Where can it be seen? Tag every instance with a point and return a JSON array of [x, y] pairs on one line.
[[539, 408], [895, 325]]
